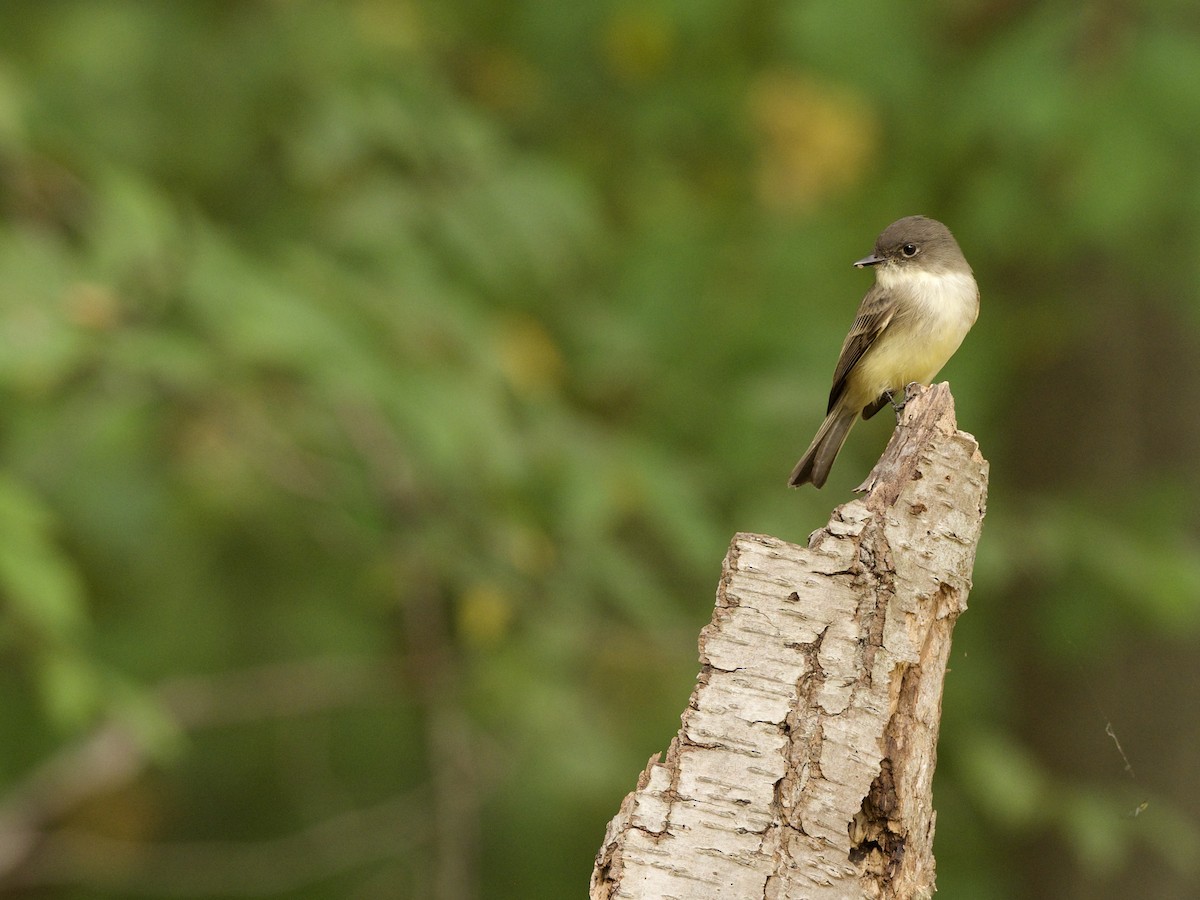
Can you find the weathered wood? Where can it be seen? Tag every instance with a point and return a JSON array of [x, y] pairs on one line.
[[805, 760]]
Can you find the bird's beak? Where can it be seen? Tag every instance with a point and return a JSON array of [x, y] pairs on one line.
[[871, 260]]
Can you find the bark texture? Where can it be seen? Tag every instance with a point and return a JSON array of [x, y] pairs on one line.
[[804, 764]]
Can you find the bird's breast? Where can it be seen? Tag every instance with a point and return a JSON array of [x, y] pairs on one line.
[[933, 314]]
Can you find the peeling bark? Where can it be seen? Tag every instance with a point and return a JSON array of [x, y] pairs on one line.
[[805, 760]]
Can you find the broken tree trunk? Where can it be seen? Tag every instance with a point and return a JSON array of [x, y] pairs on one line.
[[804, 765]]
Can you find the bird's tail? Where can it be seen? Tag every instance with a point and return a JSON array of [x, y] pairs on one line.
[[814, 466]]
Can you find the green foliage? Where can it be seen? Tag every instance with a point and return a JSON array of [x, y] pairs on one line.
[[382, 383]]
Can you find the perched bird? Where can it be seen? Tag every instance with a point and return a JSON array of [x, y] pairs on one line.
[[923, 303]]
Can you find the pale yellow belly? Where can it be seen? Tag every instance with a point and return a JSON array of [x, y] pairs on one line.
[[903, 355]]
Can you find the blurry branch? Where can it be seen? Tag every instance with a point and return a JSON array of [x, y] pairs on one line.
[[804, 764], [281, 690], [112, 756], [449, 741], [432, 663], [228, 868]]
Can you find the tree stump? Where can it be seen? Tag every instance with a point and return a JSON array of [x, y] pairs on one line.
[[805, 760]]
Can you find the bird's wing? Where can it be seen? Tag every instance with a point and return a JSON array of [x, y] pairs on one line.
[[874, 314]]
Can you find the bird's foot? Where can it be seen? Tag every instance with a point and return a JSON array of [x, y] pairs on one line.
[[897, 405]]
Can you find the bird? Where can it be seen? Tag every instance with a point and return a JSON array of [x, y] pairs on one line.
[[912, 320]]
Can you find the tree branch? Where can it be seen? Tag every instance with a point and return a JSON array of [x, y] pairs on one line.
[[804, 764]]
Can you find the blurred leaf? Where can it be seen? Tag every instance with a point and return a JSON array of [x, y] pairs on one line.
[[42, 345], [1098, 832], [70, 689], [40, 585], [1007, 780], [817, 140]]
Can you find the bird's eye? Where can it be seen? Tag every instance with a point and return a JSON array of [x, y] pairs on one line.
[[909, 250]]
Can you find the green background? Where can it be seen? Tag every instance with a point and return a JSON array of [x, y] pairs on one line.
[[381, 384]]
